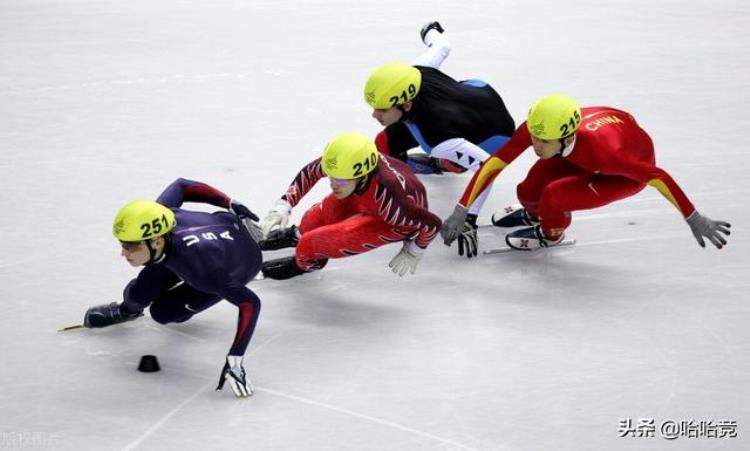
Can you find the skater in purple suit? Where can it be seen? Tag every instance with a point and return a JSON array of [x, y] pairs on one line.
[[191, 260]]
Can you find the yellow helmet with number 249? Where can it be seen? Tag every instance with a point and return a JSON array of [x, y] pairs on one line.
[[553, 117], [392, 84], [350, 156], [142, 220]]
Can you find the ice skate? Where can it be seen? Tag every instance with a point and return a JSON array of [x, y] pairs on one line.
[[514, 216], [280, 239], [531, 238]]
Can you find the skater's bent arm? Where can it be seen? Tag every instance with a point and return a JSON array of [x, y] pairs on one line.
[[520, 141], [653, 176], [303, 182], [395, 140], [248, 305], [184, 190]]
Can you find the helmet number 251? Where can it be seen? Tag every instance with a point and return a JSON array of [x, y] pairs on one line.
[[154, 227]]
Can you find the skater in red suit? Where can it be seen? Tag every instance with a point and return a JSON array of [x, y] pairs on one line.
[[589, 157], [376, 200]]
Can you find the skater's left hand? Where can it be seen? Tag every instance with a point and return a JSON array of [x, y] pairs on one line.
[[454, 224], [241, 210], [248, 219], [703, 226], [234, 374], [407, 259]]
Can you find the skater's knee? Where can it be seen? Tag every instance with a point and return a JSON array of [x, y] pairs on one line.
[[166, 316], [527, 192]]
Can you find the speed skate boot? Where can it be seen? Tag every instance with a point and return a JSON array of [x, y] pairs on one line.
[[280, 239], [530, 239], [514, 216], [422, 163], [281, 268]]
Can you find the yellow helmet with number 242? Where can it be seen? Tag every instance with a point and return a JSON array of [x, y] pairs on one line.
[[392, 84], [142, 220], [553, 117], [350, 156]]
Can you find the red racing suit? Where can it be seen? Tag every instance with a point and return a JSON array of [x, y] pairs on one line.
[[390, 207], [611, 158]]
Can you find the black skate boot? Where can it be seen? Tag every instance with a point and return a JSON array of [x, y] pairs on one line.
[[530, 239], [515, 216], [431, 26], [281, 269], [280, 239]]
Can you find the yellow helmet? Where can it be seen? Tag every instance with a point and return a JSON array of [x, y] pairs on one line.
[[350, 156], [553, 117], [392, 84], [142, 220]]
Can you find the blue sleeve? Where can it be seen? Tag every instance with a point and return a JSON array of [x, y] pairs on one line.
[[248, 304], [184, 190], [151, 282]]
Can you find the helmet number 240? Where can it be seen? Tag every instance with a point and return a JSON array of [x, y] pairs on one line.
[[368, 165], [154, 227]]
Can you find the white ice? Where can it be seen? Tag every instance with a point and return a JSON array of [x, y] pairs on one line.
[[105, 101]]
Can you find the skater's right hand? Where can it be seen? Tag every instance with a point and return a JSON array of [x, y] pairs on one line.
[[277, 216], [468, 240], [703, 226], [453, 225], [234, 373]]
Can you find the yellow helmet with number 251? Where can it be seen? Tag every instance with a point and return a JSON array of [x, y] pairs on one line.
[[554, 117], [142, 220], [392, 84], [349, 156]]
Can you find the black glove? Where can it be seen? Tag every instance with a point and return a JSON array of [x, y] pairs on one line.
[[107, 314], [467, 239], [241, 211], [431, 26], [453, 224], [234, 373], [247, 218]]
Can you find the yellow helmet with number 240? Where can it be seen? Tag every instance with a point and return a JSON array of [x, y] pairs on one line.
[[392, 84], [553, 117], [142, 220], [349, 156]]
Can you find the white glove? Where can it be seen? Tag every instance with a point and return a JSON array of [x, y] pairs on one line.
[[407, 259], [277, 216], [234, 374]]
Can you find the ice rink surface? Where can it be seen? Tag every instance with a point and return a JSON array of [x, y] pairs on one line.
[[102, 102]]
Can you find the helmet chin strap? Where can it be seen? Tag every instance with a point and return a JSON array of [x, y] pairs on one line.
[[563, 147], [361, 184], [152, 252]]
